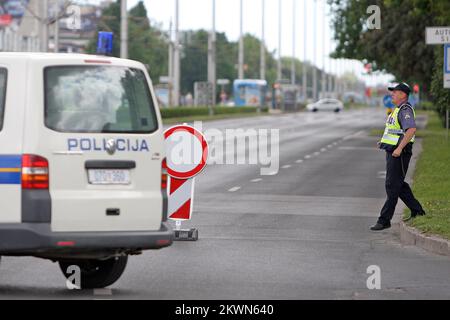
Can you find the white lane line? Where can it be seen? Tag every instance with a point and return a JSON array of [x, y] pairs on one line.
[[257, 180], [358, 148], [329, 146], [316, 153], [308, 157], [286, 166], [102, 292], [234, 189], [323, 150], [299, 161], [381, 175]]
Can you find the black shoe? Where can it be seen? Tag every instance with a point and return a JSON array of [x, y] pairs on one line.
[[379, 227]]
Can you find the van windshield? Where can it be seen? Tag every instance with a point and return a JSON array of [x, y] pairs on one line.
[[98, 99], [2, 95]]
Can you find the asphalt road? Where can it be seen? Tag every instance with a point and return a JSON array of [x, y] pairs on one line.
[[302, 233]]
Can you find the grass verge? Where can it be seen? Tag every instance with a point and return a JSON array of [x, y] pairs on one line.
[[188, 119], [432, 179]]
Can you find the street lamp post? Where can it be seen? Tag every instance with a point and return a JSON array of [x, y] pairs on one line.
[[263, 44], [212, 58], [305, 70], [279, 71], [293, 75], [315, 53], [241, 43], [123, 29], [176, 57]]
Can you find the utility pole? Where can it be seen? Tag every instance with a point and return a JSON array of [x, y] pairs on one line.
[[315, 53], [44, 26], [293, 75], [123, 29], [241, 43], [305, 53], [176, 57], [263, 44], [170, 71], [212, 58], [279, 71], [324, 85], [56, 36]]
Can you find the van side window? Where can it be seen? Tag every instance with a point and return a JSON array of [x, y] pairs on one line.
[[98, 99], [3, 76]]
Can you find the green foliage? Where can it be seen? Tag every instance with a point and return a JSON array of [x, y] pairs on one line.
[[432, 180], [178, 112], [399, 47], [148, 44], [441, 96]]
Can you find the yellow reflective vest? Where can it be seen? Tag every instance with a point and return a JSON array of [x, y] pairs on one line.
[[393, 130]]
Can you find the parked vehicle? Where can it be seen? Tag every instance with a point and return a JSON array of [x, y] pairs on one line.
[[326, 105], [82, 180]]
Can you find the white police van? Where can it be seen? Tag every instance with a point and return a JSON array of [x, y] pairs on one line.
[[82, 178]]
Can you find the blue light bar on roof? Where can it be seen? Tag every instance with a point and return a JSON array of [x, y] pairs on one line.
[[105, 43]]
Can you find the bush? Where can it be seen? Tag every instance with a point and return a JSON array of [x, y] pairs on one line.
[[426, 106], [441, 96], [178, 112]]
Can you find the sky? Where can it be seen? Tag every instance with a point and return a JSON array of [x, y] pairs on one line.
[[197, 14]]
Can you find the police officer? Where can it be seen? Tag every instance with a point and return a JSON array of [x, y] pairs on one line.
[[397, 141]]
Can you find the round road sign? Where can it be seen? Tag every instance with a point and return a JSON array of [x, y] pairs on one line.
[[186, 150]]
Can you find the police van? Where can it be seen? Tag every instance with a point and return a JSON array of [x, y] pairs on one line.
[[82, 167]]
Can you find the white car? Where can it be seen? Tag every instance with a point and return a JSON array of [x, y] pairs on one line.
[[82, 171], [326, 105]]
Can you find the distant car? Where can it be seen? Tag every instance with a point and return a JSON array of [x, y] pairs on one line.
[[326, 105]]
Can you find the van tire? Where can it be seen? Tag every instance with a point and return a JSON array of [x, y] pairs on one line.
[[97, 274]]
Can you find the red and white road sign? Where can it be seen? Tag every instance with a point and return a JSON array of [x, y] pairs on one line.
[[186, 150], [187, 153], [181, 198]]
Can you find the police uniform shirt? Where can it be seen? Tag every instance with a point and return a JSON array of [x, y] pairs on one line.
[[407, 121]]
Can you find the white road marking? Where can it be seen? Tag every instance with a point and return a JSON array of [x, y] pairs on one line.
[[308, 157], [381, 175], [329, 146], [234, 189], [316, 153], [299, 161], [257, 180], [102, 292], [323, 150], [358, 148], [286, 166]]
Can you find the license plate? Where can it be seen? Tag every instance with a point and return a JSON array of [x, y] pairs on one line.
[[97, 176]]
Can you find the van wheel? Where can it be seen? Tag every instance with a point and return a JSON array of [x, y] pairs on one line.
[[337, 110], [96, 274]]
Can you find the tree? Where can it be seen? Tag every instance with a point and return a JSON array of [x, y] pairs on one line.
[[398, 47], [147, 44]]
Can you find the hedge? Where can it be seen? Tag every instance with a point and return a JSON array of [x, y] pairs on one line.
[[177, 112]]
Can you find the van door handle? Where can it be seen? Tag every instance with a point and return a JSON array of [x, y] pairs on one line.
[[109, 164], [113, 212]]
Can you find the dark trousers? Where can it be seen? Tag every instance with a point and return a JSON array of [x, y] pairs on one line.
[[396, 187]]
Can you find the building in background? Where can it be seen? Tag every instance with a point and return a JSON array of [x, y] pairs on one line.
[[21, 23]]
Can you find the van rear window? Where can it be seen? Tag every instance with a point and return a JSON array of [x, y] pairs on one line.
[[98, 99], [3, 75]]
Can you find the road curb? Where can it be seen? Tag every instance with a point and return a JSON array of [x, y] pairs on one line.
[[412, 236]]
